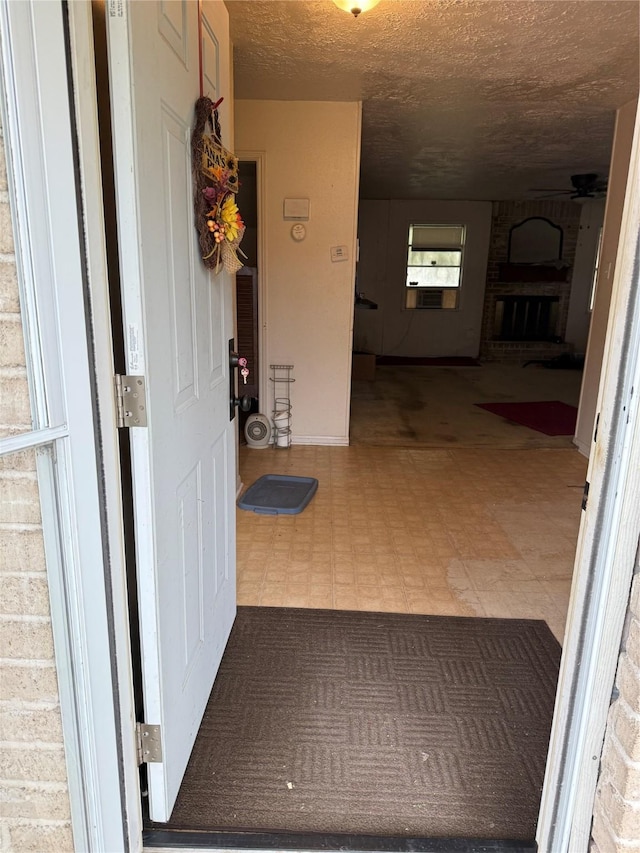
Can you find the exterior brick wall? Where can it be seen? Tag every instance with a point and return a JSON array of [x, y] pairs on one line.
[[616, 815], [506, 214], [34, 801]]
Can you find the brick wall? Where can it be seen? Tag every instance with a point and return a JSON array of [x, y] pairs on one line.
[[34, 802], [506, 214], [616, 817]]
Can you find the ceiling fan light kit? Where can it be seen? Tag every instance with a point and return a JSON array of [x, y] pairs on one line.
[[356, 7], [585, 186]]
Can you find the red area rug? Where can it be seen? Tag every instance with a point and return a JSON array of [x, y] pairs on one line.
[[549, 416]]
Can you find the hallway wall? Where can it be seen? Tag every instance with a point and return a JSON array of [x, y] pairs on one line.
[[622, 142], [579, 318], [383, 231], [312, 150]]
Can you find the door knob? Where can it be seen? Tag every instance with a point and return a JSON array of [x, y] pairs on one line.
[[243, 403]]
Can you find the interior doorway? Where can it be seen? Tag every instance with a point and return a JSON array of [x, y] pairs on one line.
[[435, 531], [508, 322], [247, 290], [414, 400]]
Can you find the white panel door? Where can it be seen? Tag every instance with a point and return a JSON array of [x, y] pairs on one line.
[[178, 321]]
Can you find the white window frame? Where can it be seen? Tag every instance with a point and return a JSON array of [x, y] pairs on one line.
[[411, 292]]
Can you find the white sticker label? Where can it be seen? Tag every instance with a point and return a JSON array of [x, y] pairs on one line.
[[116, 8], [134, 348]]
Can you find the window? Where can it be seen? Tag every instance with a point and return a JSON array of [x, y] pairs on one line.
[[434, 266]]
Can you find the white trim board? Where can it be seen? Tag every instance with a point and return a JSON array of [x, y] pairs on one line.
[[321, 440], [353, 262], [581, 447], [83, 70], [39, 132], [607, 546]]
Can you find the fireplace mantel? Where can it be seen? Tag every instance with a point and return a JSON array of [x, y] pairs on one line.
[[531, 273]]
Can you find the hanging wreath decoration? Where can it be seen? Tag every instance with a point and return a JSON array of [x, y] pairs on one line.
[[215, 172]]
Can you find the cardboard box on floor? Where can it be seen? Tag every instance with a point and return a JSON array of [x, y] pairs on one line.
[[363, 366]]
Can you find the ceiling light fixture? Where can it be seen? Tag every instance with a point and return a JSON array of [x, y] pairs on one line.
[[356, 7]]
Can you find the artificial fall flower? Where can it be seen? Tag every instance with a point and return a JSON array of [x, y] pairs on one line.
[[231, 218], [210, 194]]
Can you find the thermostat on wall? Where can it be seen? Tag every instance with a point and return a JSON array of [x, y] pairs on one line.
[[298, 232], [296, 208]]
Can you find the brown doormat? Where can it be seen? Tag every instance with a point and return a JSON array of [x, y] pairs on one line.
[[374, 723]]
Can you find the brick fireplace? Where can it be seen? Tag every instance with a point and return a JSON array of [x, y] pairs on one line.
[[526, 305]]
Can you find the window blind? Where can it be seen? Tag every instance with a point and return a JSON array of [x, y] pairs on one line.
[[436, 236]]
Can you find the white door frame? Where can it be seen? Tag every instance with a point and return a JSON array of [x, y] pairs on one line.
[[61, 269], [606, 551], [92, 629], [264, 391]]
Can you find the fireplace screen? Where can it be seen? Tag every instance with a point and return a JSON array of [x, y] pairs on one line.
[[526, 318]]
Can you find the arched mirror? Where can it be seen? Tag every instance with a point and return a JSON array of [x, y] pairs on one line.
[[535, 241]]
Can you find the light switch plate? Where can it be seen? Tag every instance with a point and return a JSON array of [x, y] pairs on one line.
[[339, 253], [296, 208]]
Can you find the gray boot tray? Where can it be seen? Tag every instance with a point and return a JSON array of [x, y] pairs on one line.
[[276, 494]]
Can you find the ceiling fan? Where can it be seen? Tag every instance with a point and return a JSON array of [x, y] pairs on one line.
[[589, 185]]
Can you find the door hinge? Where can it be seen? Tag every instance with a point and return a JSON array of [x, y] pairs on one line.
[[585, 495], [131, 401], [148, 743]]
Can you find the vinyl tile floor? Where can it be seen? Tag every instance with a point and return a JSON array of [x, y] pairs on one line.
[[456, 531]]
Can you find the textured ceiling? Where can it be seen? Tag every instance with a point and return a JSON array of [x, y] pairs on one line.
[[473, 99]]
